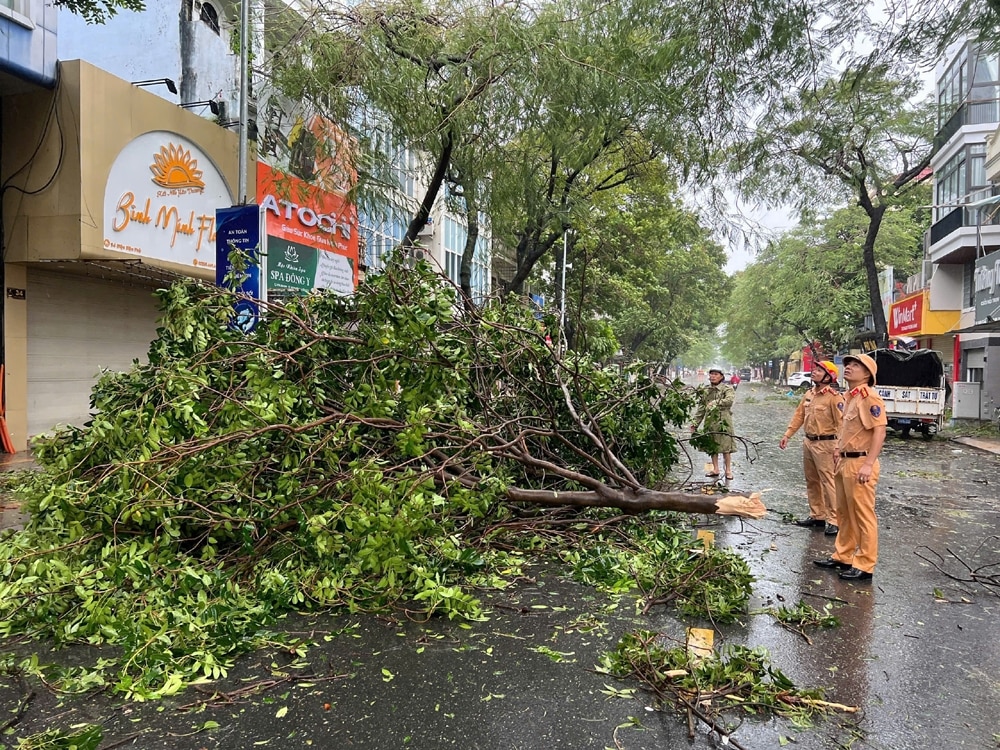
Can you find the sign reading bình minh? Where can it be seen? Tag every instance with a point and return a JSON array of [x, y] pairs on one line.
[[160, 201], [313, 234]]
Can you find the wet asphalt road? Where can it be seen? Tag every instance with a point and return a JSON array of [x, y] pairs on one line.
[[916, 651]]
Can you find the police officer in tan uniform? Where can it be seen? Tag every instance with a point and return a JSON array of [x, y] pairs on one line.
[[857, 470], [820, 411]]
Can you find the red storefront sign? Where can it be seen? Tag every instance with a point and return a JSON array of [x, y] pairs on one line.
[[906, 315]]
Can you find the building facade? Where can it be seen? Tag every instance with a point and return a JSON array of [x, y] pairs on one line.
[[112, 181], [966, 226]]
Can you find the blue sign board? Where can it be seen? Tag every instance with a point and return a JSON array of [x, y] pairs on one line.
[[239, 228]]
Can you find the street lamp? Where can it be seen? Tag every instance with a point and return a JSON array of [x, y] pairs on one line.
[[212, 104], [171, 86]]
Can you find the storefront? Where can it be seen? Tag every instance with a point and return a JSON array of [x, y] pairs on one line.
[[114, 192], [913, 325]]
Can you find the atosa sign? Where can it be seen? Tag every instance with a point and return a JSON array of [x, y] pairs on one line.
[[312, 234], [160, 201]]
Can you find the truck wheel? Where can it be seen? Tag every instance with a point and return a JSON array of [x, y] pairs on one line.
[[904, 433], [928, 435]]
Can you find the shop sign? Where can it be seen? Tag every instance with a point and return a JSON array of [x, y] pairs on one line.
[[312, 234], [239, 229], [160, 201], [906, 316], [986, 281]]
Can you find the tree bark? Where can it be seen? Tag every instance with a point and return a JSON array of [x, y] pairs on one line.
[[419, 220], [875, 214], [471, 237], [745, 506]]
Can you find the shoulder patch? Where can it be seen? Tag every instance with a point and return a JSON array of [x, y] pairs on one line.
[[876, 410], [840, 405]]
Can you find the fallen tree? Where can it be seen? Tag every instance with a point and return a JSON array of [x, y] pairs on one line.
[[348, 453]]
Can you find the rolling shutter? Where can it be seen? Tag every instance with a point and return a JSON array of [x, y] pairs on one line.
[[78, 325]]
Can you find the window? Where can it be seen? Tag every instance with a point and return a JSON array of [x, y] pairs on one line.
[[968, 283], [210, 17], [950, 185], [18, 11], [455, 236], [951, 89], [985, 77], [382, 234]]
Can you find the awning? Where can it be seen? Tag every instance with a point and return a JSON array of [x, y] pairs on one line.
[[992, 326]]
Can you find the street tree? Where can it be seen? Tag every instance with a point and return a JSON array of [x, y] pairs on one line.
[[649, 268], [812, 281], [100, 11], [549, 104], [358, 452], [855, 135], [621, 86], [434, 82]]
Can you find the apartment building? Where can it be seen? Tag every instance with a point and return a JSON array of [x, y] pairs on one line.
[[965, 233]]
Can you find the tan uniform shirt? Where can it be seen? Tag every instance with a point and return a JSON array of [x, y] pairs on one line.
[[864, 410], [820, 411]]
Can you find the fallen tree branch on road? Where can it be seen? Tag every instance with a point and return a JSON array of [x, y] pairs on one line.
[[347, 453], [987, 576], [643, 500]]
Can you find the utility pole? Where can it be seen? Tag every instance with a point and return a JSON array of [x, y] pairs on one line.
[[241, 190], [562, 295]]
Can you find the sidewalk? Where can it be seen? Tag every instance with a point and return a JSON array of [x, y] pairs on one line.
[[10, 510], [983, 444]]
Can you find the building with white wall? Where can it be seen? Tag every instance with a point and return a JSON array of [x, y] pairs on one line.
[[966, 222]]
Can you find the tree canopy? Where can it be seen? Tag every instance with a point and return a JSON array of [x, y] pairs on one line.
[[855, 134], [811, 284], [647, 266], [100, 11]]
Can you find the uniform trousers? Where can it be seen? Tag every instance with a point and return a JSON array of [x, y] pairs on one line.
[[857, 540], [817, 463]]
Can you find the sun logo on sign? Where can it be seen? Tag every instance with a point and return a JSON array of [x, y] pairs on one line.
[[174, 168]]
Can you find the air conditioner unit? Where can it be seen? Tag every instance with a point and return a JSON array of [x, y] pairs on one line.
[[427, 230]]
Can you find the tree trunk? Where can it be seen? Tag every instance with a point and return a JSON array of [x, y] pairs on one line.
[[745, 506], [874, 295], [471, 237], [419, 220]]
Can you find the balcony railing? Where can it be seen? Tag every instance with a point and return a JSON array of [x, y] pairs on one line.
[[981, 112], [947, 225], [978, 214]]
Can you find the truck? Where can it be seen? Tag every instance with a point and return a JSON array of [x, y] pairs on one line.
[[912, 383]]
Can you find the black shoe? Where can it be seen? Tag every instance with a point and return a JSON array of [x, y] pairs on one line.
[[807, 522], [831, 530], [831, 563], [853, 574]]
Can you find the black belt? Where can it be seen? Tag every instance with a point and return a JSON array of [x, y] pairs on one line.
[[854, 454], [821, 437]]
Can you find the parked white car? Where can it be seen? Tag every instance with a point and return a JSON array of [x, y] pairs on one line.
[[799, 380]]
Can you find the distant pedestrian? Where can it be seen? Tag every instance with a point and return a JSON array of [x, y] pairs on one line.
[[714, 414], [734, 381], [859, 443], [820, 412]]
